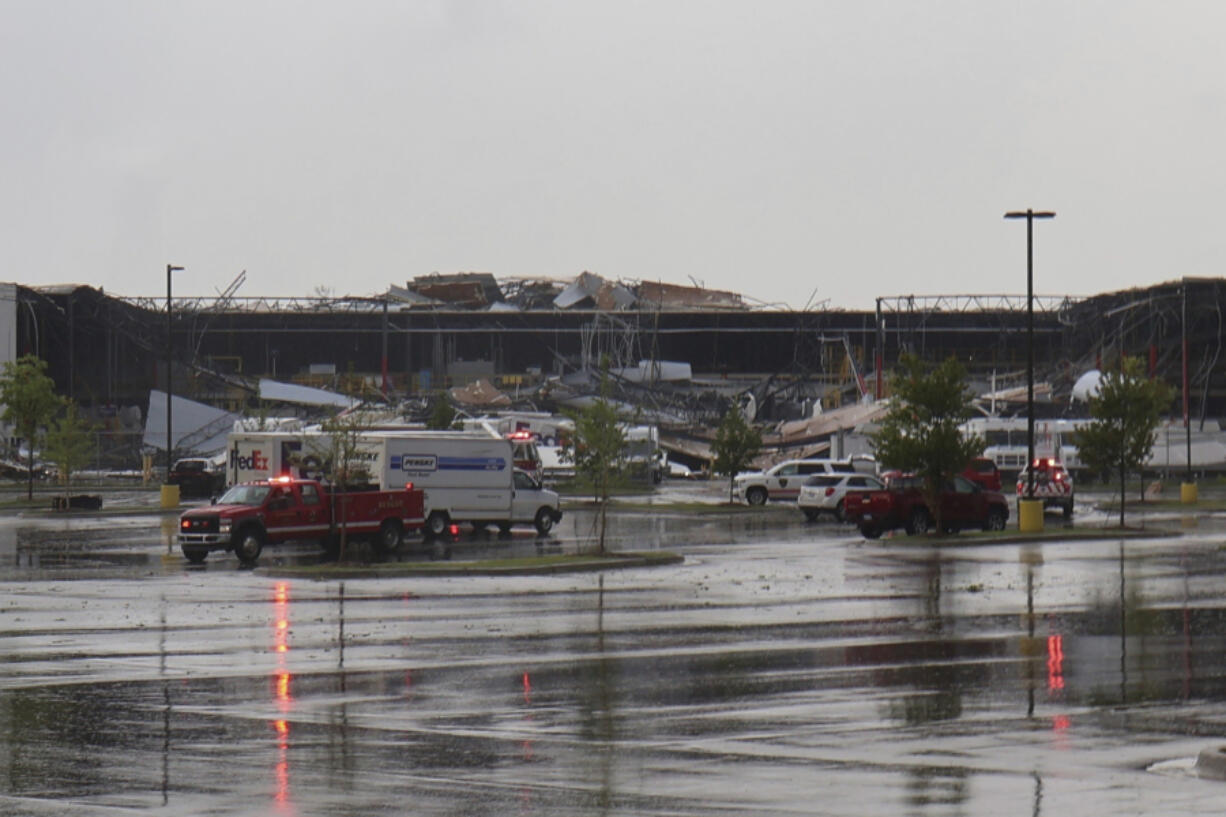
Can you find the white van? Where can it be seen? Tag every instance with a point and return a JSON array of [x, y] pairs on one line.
[[467, 477]]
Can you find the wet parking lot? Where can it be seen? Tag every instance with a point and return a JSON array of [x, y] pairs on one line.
[[783, 668]]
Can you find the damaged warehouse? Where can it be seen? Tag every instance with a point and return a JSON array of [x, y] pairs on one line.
[[678, 355]]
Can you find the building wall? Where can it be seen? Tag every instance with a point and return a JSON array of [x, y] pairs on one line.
[[108, 350]]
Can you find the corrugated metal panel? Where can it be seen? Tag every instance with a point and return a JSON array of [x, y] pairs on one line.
[[8, 322]]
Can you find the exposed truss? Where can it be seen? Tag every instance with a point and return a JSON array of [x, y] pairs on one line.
[[255, 304], [612, 339], [975, 303]]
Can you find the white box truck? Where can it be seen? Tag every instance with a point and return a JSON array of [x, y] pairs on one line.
[[260, 455], [467, 477]]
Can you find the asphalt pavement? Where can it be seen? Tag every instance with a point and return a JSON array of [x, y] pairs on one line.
[[783, 668]]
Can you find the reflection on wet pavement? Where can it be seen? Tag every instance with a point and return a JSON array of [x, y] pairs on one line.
[[782, 669]]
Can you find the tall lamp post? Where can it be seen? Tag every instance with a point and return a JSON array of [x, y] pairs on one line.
[[1030, 512], [1187, 491], [170, 493]]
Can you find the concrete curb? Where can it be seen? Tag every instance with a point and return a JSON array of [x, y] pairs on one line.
[[1211, 763]]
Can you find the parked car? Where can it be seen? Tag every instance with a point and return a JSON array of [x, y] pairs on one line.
[[1052, 483], [783, 481], [964, 504], [825, 493], [195, 476], [983, 470]]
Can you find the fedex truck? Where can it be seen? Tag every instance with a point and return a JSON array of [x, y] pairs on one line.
[[295, 454], [467, 477]]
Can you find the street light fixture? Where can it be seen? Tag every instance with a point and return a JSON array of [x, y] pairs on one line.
[[1030, 216], [169, 383]]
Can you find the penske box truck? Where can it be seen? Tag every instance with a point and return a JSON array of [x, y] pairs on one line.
[[467, 477]]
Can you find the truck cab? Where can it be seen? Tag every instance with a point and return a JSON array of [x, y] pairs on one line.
[[524, 453]]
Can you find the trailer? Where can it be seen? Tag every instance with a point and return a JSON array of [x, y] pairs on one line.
[[296, 454]]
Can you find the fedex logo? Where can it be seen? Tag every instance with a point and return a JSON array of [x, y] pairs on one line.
[[257, 461]]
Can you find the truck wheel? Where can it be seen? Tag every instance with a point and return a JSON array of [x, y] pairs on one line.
[[918, 523], [390, 537], [543, 521], [504, 528], [810, 514], [248, 544], [1068, 509], [840, 514], [194, 555], [869, 532], [996, 520], [756, 496], [436, 523]]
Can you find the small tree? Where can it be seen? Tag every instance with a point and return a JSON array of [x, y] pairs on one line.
[[30, 402], [921, 432], [1126, 412], [70, 445], [736, 444], [442, 414], [597, 448], [346, 464]]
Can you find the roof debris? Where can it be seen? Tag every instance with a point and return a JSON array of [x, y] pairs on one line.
[[479, 393]]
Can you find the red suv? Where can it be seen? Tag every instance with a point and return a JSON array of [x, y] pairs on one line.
[[964, 504]]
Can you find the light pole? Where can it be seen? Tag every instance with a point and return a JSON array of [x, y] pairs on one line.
[[1030, 215], [1187, 491], [169, 498]]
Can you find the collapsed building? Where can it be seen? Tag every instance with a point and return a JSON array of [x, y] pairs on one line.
[[678, 356]]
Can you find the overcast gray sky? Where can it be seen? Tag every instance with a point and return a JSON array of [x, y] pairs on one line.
[[789, 150]]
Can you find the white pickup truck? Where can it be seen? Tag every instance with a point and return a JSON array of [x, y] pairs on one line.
[[782, 482]]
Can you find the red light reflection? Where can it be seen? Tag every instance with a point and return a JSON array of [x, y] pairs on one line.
[[282, 692], [1055, 663], [526, 744], [284, 698], [281, 770]]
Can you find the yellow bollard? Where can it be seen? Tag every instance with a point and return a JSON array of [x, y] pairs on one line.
[[170, 496], [1030, 515], [1187, 493]]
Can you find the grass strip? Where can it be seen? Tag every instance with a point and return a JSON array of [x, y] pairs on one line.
[[524, 566]]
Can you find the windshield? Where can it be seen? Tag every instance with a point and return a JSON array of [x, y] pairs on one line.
[[244, 495], [525, 482]]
